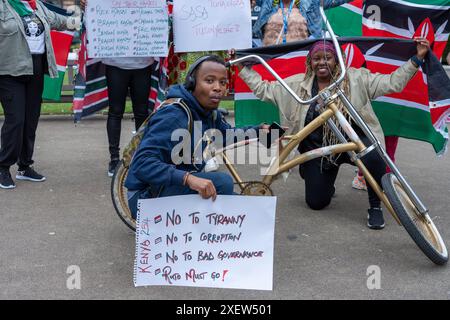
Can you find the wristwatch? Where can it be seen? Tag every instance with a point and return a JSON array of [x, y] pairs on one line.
[[417, 61]]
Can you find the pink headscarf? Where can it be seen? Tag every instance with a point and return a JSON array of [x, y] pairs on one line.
[[322, 46]]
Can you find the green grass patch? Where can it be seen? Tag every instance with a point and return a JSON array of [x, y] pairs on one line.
[[66, 108], [57, 108]]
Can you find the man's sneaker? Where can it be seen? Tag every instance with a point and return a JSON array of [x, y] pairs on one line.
[[6, 182], [112, 167], [30, 175], [359, 183], [375, 219]]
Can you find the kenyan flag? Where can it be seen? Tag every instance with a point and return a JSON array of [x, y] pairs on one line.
[[346, 20], [61, 41], [419, 112], [249, 110], [405, 19], [23, 7], [91, 91], [418, 118], [61, 45]]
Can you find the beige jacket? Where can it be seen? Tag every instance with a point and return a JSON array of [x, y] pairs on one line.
[[364, 87]]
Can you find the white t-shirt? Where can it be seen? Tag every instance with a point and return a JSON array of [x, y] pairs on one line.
[[34, 33], [131, 63]]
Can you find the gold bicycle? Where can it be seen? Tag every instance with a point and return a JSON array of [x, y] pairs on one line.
[[396, 194]]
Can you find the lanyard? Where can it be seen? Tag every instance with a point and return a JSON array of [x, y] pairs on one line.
[[286, 18]]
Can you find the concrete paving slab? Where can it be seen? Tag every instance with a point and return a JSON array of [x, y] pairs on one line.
[[69, 220]]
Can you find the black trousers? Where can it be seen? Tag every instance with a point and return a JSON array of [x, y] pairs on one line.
[[319, 181], [138, 81], [21, 99]]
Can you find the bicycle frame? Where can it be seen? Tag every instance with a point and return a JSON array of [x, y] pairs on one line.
[[356, 148]]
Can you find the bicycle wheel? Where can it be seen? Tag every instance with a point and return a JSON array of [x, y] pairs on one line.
[[420, 227], [119, 196]]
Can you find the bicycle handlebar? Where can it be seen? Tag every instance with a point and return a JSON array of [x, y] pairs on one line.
[[279, 79], [283, 83]]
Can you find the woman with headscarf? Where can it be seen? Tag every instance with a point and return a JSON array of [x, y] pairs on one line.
[[360, 86], [26, 54]]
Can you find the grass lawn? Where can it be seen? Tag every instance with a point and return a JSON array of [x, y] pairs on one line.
[[56, 108], [66, 108]]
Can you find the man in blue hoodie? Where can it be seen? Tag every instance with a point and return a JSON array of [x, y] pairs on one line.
[[153, 172]]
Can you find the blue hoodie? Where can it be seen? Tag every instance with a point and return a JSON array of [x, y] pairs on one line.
[[152, 164]]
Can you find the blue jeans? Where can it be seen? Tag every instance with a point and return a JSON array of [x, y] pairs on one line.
[[222, 182]]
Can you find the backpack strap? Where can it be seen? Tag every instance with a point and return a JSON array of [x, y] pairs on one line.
[[180, 102], [131, 147]]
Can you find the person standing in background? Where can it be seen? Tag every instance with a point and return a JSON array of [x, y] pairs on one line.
[[123, 75], [130, 75], [26, 55], [255, 6], [282, 21]]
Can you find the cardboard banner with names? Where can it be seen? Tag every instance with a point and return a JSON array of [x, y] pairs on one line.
[[127, 28], [189, 241], [209, 25]]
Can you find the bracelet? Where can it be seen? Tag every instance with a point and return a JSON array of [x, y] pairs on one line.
[[186, 175], [417, 61]]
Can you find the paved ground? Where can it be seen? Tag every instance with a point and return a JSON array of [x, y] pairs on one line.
[[69, 220]]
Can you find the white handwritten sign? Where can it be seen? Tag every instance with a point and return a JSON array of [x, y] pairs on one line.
[[188, 241], [201, 25], [127, 28]]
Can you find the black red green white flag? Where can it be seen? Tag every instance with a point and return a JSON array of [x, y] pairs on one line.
[[419, 112], [61, 42]]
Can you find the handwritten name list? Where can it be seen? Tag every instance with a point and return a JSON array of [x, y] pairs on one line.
[[188, 241], [127, 28]]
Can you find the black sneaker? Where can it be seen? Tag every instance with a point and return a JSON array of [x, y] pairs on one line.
[[112, 167], [6, 182], [29, 175], [375, 219]]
